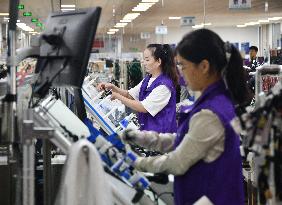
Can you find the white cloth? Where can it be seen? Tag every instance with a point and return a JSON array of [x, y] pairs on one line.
[[204, 200], [84, 181], [156, 100], [205, 140]]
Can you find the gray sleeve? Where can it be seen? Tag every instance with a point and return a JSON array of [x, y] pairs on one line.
[[206, 130], [162, 142]]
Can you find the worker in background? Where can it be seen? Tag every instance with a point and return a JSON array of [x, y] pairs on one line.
[[204, 155], [253, 62], [154, 98]]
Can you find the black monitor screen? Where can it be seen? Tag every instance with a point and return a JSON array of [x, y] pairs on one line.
[[109, 63], [65, 47]]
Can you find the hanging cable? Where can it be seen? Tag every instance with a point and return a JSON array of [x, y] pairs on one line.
[[204, 17], [52, 5]]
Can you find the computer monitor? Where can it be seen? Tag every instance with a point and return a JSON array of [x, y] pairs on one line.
[[65, 48], [109, 63]]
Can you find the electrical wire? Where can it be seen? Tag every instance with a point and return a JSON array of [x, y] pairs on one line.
[[157, 197], [30, 103], [61, 69], [46, 83]]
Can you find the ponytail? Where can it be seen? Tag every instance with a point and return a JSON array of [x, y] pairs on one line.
[[234, 75], [169, 67], [224, 59]]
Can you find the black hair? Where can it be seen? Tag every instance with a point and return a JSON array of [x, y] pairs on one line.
[[168, 66], [204, 44], [254, 48]]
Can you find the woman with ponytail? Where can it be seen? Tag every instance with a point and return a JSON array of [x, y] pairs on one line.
[[204, 156], [154, 98]]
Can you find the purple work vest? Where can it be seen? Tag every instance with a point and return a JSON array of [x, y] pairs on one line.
[[221, 180], [165, 120]]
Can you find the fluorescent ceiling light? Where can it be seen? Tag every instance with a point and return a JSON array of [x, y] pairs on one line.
[[125, 21], [202, 25], [139, 9], [21, 24], [174, 17], [274, 18], [146, 4], [113, 30], [142, 6], [120, 25], [241, 25], [131, 16], [198, 26], [24, 27], [150, 1], [252, 23], [263, 21], [259, 22], [67, 9], [110, 33], [68, 6], [4, 14], [33, 32]]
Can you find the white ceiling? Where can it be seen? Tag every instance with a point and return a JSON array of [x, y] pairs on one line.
[[217, 12]]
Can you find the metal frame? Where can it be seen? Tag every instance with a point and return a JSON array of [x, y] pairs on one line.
[[259, 97], [35, 125], [38, 123], [8, 118], [265, 70]]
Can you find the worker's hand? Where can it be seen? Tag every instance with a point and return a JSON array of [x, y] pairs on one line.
[[105, 86], [115, 96], [131, 160], [132, 136]]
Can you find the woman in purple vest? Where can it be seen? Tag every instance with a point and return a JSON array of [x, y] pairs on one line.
[[204, 154], [154, 98]]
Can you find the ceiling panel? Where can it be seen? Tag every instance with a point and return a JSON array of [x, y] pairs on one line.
[[217, 12]]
